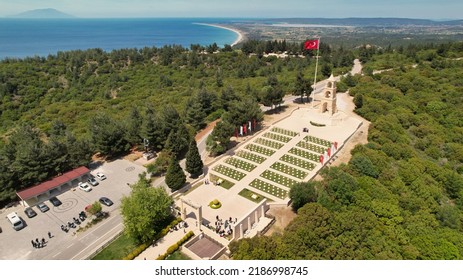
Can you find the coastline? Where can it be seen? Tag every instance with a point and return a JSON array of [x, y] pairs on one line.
[[238, 40]]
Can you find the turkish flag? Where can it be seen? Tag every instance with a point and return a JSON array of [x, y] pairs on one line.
[[311, 45], [321, 159]]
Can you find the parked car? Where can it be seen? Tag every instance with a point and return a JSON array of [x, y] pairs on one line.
[[106, 201], [30, 213], [16, 221], [92, 181], [55, 201], [100, 176], [43, 207], [84, 186], [148, 156]]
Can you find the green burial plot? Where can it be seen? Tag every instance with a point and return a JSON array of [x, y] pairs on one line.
[[318, 141], [241, 164], [269, 188], [311, 147], [277, 137], [229, 172], [260, 149], [305, 154], [277, 178], [298, 162], [269, 143], [251, 156], [252, 196], [289, 170], [284, 131]]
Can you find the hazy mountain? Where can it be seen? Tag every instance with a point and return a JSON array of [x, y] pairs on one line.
[[42, 13]]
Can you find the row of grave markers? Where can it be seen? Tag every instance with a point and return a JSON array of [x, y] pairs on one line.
[[329, 152]]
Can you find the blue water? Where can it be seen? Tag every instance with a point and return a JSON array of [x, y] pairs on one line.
[[29, 37]]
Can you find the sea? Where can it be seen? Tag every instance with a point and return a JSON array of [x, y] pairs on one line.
[[20, 38]]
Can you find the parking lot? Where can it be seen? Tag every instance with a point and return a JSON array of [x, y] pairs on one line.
[[16, 245]]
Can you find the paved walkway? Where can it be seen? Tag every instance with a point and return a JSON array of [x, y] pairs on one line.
[[152, 252]]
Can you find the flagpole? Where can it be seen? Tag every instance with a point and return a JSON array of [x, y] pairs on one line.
[[316, 70]]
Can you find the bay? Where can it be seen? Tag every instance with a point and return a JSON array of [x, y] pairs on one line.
[[20, 38]]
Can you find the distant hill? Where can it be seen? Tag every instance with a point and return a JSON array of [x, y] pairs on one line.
[[42, 13], [365, 21]]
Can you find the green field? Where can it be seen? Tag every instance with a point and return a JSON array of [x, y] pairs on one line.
[[284, 131], [289, 170], [229, 172], [269, 188], [318, 141], [251, 156], [241, 164], [269, 143], [311, 147], [259, 149], [305, 154], [298, 162], [277, 137], [277, 178]]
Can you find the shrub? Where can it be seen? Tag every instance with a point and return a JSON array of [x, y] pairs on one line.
[[317, 124], [215, 204], [137, 251], [175, 247]]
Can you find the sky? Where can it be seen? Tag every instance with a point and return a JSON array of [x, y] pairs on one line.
[[426, 9]]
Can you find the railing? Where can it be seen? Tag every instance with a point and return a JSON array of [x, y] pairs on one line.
[[106, 244]]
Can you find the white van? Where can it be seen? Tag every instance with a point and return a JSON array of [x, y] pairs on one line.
[[15, 221]]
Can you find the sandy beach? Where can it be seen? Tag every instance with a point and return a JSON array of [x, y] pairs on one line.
[[240, 35]]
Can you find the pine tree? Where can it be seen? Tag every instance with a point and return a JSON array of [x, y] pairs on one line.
[[175, 177], [194, 164]]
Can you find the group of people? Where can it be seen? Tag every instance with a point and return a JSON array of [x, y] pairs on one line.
[[40, 243], [227, 226]]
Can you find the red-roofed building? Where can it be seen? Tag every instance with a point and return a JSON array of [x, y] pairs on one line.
[[48, 189]]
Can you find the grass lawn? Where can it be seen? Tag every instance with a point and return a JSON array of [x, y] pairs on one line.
[[305, 154], [229, 172], [177, 256], [277, 137], [312, 147], [250, 156], [289, 170], [298, 162], [225, 184], [269, 143], [259, 149], [269, 188], [117, 250], [284, 131], [277, 178], [318, 141], [246, 193], [241, 164]]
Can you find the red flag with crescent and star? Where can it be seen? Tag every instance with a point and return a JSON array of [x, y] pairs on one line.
[[311, 44]]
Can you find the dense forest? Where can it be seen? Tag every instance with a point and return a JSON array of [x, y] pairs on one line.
[[58, 111], [401, 195]]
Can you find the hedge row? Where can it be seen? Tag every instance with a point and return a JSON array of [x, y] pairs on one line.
[[316, 124], [175, 247], [137, 251]]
